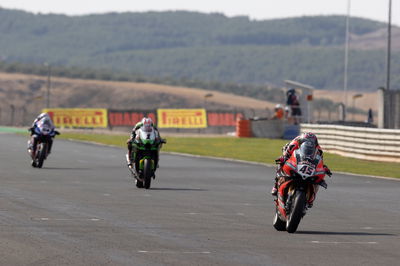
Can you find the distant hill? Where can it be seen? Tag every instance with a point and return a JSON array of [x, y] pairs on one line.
[[209, 47], [29, 92]]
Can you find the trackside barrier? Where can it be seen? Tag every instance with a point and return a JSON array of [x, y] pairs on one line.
[[357, 142], [274, 129], [243, 128], [128, 118]]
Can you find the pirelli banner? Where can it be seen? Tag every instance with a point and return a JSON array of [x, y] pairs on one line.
[[78, 117], [182, 118]]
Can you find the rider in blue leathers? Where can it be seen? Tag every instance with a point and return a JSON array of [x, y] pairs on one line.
[[44, 119]]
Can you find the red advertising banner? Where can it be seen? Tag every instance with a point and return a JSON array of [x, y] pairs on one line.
[[222, 118], [129, 118], [124, 118]]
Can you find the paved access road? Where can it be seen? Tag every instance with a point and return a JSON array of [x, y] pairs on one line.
[[82, 208]]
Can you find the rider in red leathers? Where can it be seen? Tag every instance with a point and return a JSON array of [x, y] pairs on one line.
[[290, 147]]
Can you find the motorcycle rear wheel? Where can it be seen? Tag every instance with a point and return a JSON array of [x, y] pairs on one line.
[[296, 211]]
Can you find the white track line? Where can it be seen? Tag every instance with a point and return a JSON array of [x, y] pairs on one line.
[[338, 242], [172, 252]]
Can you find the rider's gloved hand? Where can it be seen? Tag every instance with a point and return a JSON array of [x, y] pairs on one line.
[[323, 184], [327, 171], [280, 160]]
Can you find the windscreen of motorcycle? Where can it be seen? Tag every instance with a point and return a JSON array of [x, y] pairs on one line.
[[147, 137], [43, 128]]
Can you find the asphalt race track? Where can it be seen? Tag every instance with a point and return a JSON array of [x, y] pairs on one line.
[[83, 208]]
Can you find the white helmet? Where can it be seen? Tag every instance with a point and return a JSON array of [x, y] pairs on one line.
[[147, 124], [42, 115]]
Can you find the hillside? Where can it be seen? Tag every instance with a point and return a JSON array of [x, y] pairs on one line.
[[209, 47], [28, 94]]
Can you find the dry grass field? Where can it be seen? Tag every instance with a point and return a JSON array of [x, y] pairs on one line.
[[93, 93], [367, 101], [28, 94]]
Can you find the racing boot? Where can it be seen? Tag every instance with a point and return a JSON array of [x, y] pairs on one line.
[[274, 191], [129, 161]]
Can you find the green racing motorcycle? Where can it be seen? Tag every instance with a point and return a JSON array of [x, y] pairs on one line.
[[145, 155]]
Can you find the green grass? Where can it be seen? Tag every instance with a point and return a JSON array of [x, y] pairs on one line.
[[12, 130], [248, 149]]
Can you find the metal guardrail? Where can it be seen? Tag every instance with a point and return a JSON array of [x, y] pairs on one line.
[[357, 142]]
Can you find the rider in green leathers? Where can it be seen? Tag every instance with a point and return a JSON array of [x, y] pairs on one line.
[[147, 125]]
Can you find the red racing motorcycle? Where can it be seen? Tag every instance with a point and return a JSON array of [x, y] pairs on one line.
[[297, 181]]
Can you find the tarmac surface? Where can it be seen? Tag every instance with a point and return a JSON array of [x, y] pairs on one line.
[[82, 208]]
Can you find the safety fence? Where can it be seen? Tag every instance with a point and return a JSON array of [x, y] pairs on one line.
[[357, 142]]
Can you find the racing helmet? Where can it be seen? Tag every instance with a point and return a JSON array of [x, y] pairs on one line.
[[309, 136], [42, 115], [308, 149], [147, 124]]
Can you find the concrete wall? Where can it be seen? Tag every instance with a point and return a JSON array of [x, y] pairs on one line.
[[274, 129]]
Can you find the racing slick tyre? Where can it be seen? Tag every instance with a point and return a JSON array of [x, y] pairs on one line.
[[147, 173], [41, 154], [296, 211]]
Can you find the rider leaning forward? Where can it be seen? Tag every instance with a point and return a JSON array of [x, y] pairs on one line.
[[147, 124], [45, 119], [295, 144]]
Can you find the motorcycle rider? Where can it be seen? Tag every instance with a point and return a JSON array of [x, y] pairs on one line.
[[37, 119], [45, 119], [290, 147], [148, 126]]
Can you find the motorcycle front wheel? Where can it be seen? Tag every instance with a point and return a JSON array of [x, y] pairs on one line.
[[296, 211], [147, 173], [41, 155]]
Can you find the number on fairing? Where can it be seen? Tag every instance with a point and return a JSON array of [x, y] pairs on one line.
[[307, 170]]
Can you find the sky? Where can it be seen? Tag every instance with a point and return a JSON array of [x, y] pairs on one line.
[[255, 9]]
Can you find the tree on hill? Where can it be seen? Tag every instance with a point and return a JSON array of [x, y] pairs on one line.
[[196, 46]]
